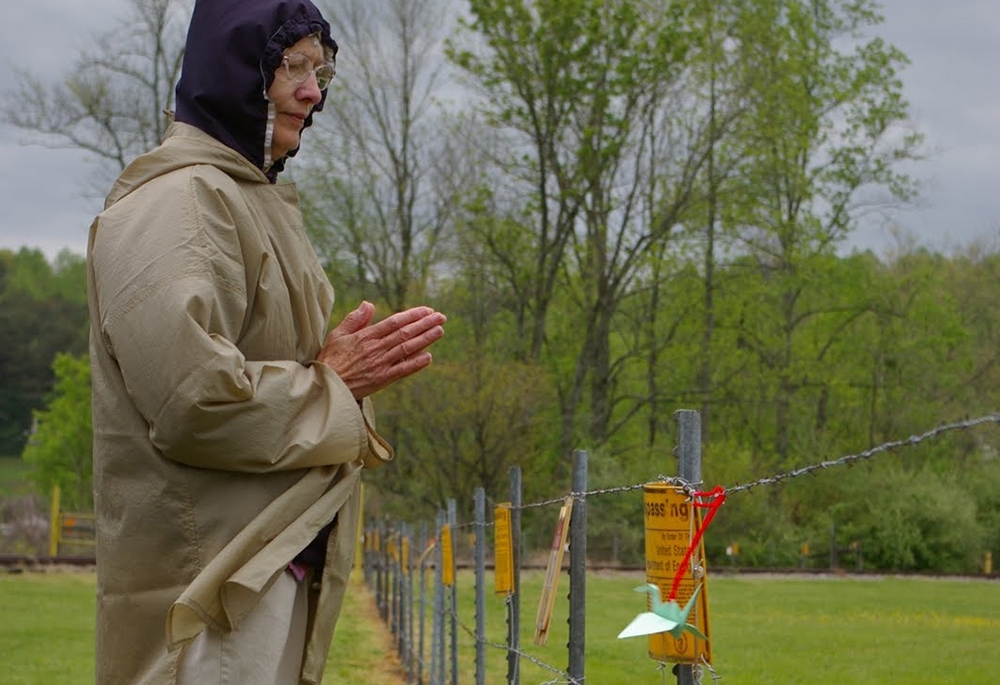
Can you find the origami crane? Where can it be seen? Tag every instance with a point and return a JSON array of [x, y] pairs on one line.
[[666, 617]]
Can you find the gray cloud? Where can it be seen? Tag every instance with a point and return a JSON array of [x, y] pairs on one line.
[[42, 193]]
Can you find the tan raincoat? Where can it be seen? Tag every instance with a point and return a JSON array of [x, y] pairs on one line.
[[220, 448]]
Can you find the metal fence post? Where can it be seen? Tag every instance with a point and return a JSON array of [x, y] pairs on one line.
[[689, 456], [394, 603], [423, 602], [367, 556], [437, 627], [833, 545], [365, 559], [578, 569], [480, 516], [380, 571], [401, 594], [453, 595], [514, 601], [408, 561], [442, 630]]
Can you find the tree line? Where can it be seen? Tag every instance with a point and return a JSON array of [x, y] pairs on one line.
[[626, 208], [43, 312]]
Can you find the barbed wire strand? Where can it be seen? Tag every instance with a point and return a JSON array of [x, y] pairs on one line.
[[867, 454], [563, 676], [697, 670], [703, 665], [690, 487]]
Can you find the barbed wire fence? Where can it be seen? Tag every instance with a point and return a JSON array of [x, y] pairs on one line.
[[392, 567]]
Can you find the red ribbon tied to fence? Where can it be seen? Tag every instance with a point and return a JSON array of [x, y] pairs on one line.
[[717, 496]]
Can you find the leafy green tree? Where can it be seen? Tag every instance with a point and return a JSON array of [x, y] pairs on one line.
[[919, 520], [580, 92], [461, 427], [971, 277], [526, 56], [822, 140], [60, 450], [984, 484], [917, 346], [42, 312]]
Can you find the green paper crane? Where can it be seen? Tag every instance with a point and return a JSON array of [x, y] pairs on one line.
[[666, 617]]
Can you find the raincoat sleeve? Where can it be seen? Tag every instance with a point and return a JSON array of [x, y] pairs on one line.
[[172, 288]]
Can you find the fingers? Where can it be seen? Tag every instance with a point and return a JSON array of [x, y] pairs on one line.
[[369, 357], [386, 327], [412, 339], [356, 320], [405, 334], [407, 366]]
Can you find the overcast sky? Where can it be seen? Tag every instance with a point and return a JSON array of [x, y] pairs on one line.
[[952, 85]]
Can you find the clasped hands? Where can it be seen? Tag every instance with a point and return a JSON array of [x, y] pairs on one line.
[[368, 357]]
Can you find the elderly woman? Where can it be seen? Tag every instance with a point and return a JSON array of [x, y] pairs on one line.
[[229, 434]]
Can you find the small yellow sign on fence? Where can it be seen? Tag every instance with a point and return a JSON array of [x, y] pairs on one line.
[[447, 557], [503, 550], [670, 520]]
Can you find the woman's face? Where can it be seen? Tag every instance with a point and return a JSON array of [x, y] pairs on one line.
[[293, 101]]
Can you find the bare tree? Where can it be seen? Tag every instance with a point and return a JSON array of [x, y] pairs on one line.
[[113, 102], [382, 191]]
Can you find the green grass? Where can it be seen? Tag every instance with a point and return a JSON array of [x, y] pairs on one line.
[[361, 653], [47, 634], [13, 477], [767, 630], [764, 630], [47, 629]]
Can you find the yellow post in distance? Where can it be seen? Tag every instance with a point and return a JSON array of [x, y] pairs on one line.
[[55, 526]]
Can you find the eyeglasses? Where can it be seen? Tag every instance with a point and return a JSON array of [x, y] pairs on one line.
[[298, 67]]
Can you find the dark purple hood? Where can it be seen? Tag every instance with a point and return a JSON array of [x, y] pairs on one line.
[[233, 48]]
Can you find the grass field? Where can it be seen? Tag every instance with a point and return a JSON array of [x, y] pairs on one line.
[[13, 480], [47, 634], [764, 630], [772, 630]]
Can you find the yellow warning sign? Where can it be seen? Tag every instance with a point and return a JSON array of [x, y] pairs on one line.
[[447, 557], [670, 521], [503, 550]]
